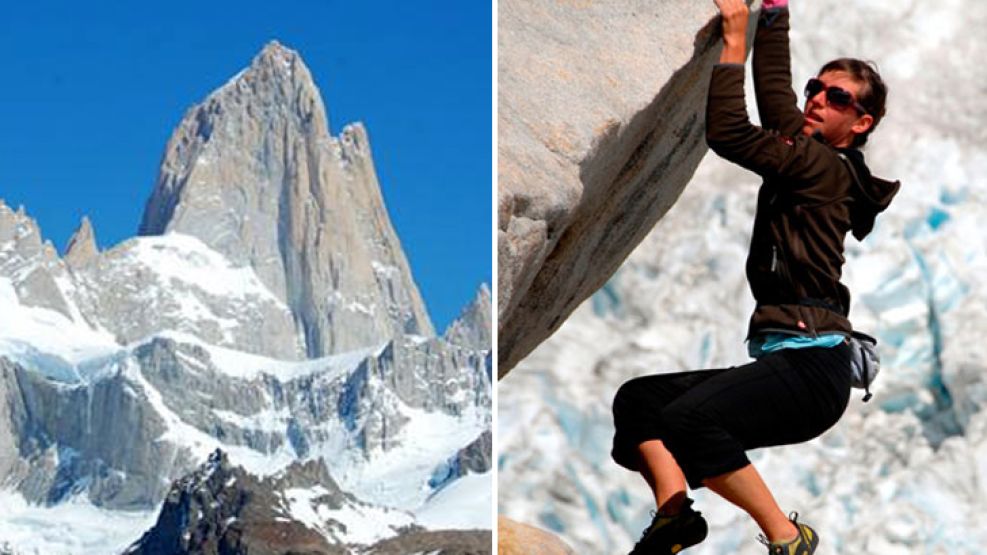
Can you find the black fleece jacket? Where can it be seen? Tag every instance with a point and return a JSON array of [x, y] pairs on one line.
[[808, 201]]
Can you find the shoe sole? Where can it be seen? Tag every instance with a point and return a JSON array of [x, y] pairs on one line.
[[690, 534]]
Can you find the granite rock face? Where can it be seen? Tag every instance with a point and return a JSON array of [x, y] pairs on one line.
[[601, 125], [54, 438], [253, 172]]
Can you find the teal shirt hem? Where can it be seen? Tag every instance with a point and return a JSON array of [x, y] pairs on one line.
[[768, 343]]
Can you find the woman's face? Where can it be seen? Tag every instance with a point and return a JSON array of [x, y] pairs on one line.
[[838, 124]]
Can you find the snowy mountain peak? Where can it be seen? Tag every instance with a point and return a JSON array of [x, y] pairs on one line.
[[278, 75], [82, 245], [17, 226], [253, 173], [276, 54]]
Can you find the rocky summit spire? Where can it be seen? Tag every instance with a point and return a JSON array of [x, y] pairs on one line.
[[254, 173], [82, 246], [30, 262], [474, 327]]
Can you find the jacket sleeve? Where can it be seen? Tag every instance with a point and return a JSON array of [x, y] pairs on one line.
[[777, 103], [800, 159]]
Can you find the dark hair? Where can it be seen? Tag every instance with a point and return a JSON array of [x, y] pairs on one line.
[[873, 92]]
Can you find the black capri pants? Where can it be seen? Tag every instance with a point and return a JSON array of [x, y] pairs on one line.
[[707, 419]]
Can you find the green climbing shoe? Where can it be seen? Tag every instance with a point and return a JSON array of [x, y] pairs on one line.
[[804, 544]]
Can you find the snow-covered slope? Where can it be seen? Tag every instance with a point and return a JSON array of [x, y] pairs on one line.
[[453, 507], [74, 527], [47, 340], [176, 282], [902, 474]]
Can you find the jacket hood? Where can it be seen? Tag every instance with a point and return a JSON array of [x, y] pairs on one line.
[[872, 195]]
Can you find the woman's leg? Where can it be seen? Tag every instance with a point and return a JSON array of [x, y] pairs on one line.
[[663, 474], [745, 489]]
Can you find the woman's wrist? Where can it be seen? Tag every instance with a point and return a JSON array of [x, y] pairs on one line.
[[734, 16], [733, 52]]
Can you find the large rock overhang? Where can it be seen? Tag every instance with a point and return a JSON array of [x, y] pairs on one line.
[[601, 123]]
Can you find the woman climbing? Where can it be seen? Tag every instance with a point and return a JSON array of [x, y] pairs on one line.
[[693, 428]]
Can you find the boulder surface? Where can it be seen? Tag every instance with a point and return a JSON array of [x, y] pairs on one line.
[[514, 538], [601, 125]]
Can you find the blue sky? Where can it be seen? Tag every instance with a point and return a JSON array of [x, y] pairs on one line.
[[90, 93]]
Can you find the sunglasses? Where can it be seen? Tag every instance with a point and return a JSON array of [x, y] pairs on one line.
[[839, 98]]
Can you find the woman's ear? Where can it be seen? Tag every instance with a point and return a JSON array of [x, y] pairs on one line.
[[862, 124]]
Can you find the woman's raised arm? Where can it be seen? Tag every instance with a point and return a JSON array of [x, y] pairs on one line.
[[777, 103]]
